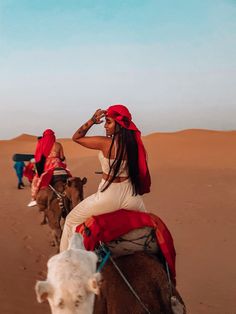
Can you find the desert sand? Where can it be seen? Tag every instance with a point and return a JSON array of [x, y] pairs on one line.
[[193, 191]]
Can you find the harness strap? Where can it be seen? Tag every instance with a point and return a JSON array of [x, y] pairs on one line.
[[58, 194], [60, 198], [104, 260]]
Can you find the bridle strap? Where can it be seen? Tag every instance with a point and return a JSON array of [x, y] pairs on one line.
[[58, 194], [108, 256]]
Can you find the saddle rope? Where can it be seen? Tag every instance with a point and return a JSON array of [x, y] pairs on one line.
[[60, 197], [108, 256], [58, 194]]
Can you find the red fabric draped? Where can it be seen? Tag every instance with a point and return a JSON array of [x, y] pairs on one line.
[[29, 171], [44, 145], [110, 226], [123, 117]]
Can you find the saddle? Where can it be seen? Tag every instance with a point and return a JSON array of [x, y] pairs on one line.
[[141, 239], [59, 174], [126, 231]]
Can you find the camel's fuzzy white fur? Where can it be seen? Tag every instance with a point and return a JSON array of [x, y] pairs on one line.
[[72, 281]]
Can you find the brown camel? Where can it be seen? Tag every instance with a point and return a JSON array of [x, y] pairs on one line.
[[71, 194], [74, 190], [149, 279]]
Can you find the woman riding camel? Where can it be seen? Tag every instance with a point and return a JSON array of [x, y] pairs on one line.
[[49, 155], [125, 174]]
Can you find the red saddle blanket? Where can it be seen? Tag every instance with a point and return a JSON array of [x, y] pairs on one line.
[[108, 227]]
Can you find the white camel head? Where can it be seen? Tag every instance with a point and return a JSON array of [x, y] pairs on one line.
[[72, 280]]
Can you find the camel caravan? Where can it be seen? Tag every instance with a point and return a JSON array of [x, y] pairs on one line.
[[55, 191], [120, 262]]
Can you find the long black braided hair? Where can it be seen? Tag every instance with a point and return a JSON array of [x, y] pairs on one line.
[[127, 147]]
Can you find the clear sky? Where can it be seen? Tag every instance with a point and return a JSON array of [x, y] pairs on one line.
[[172, 62]]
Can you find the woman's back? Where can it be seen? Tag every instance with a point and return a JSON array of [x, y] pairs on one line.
[[56, 151], [106, 163]]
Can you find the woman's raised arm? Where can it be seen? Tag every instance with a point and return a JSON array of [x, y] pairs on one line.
[[93, 142]]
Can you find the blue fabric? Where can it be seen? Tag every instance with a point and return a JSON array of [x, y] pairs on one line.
[[19, 167]]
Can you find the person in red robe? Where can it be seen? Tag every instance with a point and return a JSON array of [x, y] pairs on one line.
[[49, 154]]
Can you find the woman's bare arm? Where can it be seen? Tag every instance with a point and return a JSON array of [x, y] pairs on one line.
[[93, 142]]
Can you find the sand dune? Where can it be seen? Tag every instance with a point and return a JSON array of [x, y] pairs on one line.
[[193, 191]]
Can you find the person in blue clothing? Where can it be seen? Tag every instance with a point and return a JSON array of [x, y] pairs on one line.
[[19, 168]]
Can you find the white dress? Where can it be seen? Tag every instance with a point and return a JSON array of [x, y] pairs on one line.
[[116, 196]]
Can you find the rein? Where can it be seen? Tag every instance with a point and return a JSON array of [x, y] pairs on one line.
[[60, 198], [104, 258], [58, 194], [102, 248]]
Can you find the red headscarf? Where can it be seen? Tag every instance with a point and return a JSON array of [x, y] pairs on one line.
[[45, 145], [123, 117]]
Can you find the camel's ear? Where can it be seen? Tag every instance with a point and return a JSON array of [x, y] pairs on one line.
[[76, 242], [43, 290], [68, 182], [84, 180], [94, 283]]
